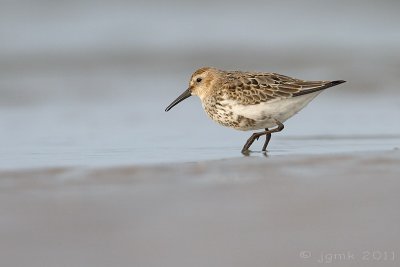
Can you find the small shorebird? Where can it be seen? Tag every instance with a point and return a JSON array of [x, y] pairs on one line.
[[251, 100]]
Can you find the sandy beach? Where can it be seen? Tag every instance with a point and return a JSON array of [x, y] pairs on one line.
[[281, 211]]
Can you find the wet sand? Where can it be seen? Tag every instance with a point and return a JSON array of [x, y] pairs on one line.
[[254, 211]]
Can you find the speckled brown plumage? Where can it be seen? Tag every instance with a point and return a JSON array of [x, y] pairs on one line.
[[253, 88]]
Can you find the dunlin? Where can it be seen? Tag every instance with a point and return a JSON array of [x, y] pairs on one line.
[[251, 100]]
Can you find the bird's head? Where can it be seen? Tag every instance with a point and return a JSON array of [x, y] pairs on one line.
[[200, 84]]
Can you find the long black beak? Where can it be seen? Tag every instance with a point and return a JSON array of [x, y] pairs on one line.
[[180, 98]]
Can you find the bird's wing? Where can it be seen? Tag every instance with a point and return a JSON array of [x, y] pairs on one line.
[[254, 88]]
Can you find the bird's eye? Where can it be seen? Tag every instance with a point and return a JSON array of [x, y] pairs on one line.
[[199, 80]]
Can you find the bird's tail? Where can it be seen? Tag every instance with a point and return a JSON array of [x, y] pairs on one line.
[[323, 86]]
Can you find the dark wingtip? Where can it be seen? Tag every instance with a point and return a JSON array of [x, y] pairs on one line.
[[333, 83], [327, 85]]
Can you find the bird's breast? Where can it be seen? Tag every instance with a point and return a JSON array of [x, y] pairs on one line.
[[224, 112]]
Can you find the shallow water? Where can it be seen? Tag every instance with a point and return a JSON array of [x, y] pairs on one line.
[[125, 134]]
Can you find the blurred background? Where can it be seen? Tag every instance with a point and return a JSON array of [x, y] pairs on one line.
[[87, 82]]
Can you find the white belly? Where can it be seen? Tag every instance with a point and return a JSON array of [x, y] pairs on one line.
[[265, 114]]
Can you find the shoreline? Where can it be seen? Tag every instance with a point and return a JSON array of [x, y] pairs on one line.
[[170, 169]]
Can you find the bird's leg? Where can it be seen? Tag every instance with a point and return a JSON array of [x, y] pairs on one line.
[[250, 141], [267, 132], [267, 139]]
